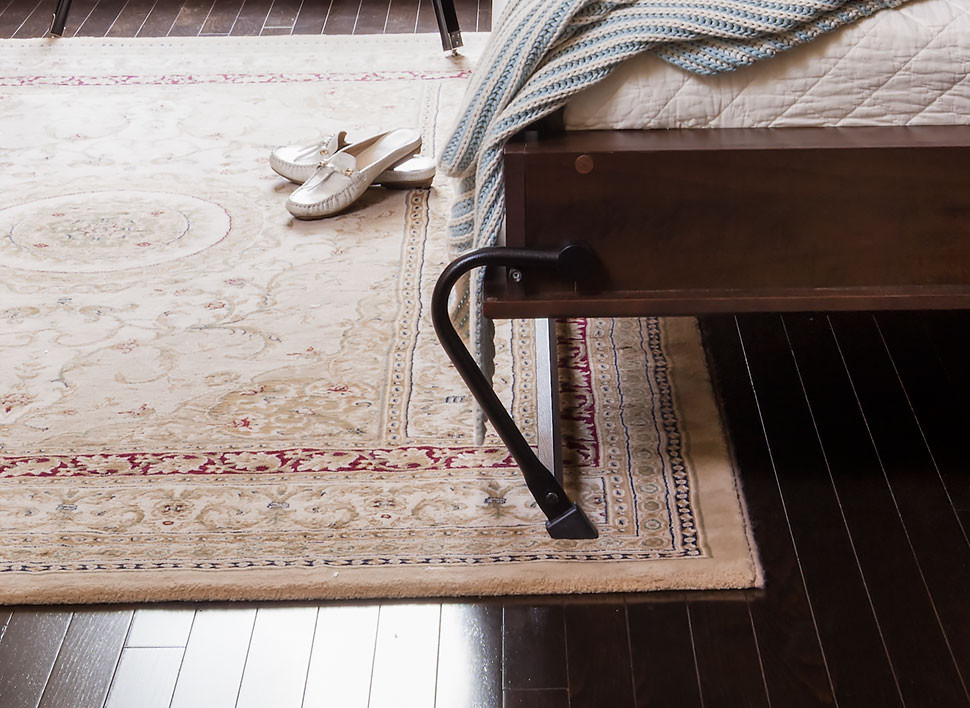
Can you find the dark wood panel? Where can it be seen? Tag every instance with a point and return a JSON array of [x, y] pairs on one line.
[[792, 660], [535, 646], [697, 241], [929, 520], [27, 652], [542, 698], [662, 654], [598, 655], [921, 660], [191, 18], [840, 606], [728, 665], [87, 659]]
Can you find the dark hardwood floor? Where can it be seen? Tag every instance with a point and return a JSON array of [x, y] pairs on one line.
[[850, 434]]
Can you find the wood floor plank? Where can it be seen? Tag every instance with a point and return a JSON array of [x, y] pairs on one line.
[[100, 19], [343, 657], [38, 22], [145, 677], [312, 17], [251, 18], [484, 17], [915, 644], [662, 654], [793, 663], [929, 519], [426, 21], [371, 17], [402, 16], [191, 18], [470, 656], [728, 662], [847, 628], [131, 18], [406, 656], [541, 698], [29, 647], [342, 17], [221, 19], [15, 15], [87, 659], [941, 414], [215, 656], [598, 655], [535, 646], [282, 15], [160, 19], [279, 655], [166, 626], [467, 13], [949, 333]]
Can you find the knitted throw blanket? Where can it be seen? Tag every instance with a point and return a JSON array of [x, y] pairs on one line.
[[542, 52]]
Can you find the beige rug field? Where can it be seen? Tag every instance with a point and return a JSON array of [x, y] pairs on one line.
[[201, 398]]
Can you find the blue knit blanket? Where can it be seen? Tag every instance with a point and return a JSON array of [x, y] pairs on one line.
[[542, 52]]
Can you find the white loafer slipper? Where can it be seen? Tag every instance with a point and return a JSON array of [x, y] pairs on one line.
[[297, 162], [339, 182]]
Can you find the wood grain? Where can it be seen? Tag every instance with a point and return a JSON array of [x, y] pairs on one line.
[[87, 659], [215, 656], [470, 656], [279, 655], [535, 646], [145, 678], [29, 647], [406, 656], [343, 657]]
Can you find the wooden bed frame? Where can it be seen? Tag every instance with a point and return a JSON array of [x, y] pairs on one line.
[[694, 222]]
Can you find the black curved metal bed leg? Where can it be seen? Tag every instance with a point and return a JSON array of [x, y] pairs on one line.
[[564, 518]]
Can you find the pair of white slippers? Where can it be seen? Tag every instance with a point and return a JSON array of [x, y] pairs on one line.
[[334, 172]]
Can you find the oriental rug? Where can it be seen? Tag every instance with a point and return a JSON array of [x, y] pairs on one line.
[[201, 398]]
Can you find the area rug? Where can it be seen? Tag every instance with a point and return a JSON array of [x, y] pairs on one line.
[[201, 398]]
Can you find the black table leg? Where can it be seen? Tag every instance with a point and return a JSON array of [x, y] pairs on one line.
[[564, 518], [60, 17], [444, 12]]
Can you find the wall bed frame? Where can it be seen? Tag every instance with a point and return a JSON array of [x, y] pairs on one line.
[[701, 221]]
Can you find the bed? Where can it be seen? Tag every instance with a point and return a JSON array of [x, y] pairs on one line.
[[833, 177]]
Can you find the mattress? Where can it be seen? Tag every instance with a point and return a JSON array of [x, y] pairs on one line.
[[906, 66]]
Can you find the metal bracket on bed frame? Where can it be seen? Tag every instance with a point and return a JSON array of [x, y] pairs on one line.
[[564, 518]]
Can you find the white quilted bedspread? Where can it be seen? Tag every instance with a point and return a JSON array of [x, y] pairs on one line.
[[907, 66]]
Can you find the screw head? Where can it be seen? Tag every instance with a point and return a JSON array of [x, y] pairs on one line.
[[552, 498], [516, 275]]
